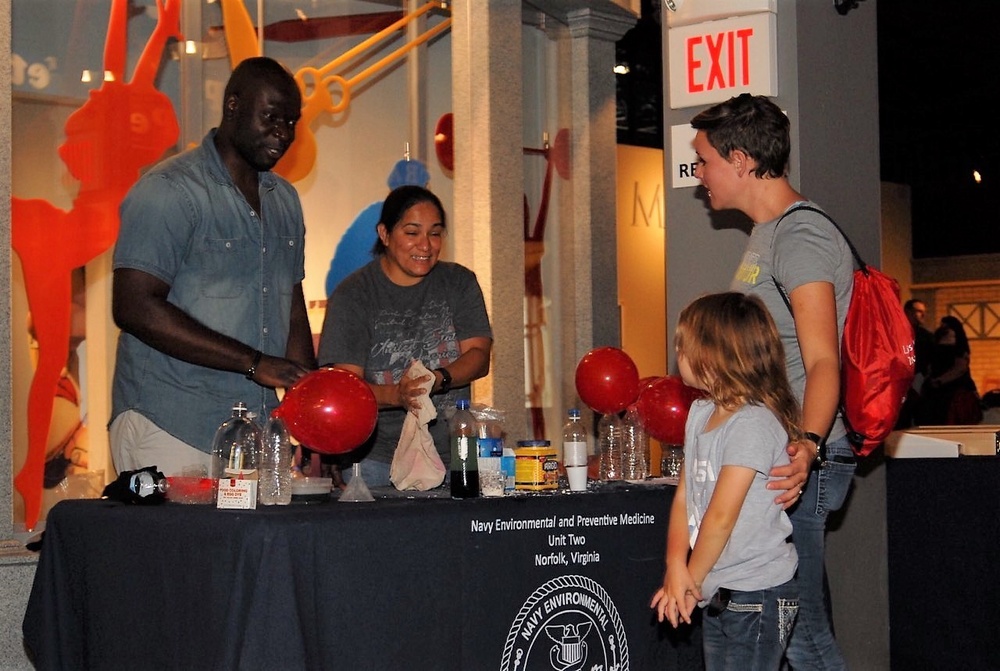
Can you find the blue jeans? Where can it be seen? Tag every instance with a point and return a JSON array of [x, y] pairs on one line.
[[812, 645], [751, 632]]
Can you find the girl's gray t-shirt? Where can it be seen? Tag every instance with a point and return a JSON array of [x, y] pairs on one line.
[[759, 553]]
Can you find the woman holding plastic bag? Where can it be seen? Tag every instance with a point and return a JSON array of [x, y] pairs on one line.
[[407, 305]]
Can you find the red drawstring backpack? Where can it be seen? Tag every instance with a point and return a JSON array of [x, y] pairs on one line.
[[876, 352]]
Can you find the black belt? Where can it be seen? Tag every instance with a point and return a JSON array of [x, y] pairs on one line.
[[719, 602]]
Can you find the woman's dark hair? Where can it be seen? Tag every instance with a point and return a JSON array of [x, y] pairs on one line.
[[399, 200], [751, 124], [955, 326]]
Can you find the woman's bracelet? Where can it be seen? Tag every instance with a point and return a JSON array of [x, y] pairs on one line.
[[820, 446]]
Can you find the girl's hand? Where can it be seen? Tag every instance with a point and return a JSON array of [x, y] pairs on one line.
[[665, 607], [677, 598]]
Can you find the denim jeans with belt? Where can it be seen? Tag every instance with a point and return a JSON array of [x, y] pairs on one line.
[[749, 633], [812, 645]]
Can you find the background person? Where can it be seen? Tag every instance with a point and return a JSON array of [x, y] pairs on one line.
[[743, 147], [923, 346], [207, 281], [923, 339], [949, 395], [727, 543], [951, 364], [408, 304]]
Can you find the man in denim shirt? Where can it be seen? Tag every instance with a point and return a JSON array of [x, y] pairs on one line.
[[208, 273]]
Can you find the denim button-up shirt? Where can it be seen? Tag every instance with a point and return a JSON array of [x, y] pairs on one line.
[[229, 267]]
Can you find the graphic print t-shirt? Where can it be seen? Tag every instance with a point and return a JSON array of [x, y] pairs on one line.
[[381, 327], [758, 554]]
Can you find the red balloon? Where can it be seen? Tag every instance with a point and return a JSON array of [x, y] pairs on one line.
[[330, 410], [647, 381], [663, 408], [607, 380]]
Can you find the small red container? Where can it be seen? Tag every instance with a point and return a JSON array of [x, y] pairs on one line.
[[189, 490]]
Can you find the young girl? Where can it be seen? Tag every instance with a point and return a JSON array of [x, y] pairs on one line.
[[727, 546]]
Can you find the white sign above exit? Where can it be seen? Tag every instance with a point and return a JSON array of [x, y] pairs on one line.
[[714, 61], [699, 11]]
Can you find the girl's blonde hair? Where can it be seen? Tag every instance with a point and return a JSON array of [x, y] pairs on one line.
[[732, 345]]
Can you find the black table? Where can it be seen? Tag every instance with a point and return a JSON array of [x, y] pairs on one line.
[[943, 521], [520, 583]]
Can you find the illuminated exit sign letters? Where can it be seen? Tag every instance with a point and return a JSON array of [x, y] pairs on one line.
[[713, 61]]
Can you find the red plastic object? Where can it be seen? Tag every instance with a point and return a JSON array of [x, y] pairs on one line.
[[330, 410], [663, 408], [189, 490], [607, 380]]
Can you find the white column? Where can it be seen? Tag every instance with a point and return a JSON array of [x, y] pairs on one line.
[[588, 247]]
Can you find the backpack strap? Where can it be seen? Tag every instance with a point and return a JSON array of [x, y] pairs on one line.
[[821, 447], [809, 208]]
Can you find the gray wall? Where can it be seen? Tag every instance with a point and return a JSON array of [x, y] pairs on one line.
[[828, 85], [17, 567]]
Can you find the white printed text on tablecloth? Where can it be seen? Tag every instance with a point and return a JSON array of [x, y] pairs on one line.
[[565, 538]]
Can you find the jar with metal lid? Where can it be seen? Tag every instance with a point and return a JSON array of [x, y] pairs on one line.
[[536, 466]]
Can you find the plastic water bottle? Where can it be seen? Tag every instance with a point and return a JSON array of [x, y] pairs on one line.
[[507, 463], [236, 447], [274, 485], [609, 445], [574, 451], [635, 450], [464, 452], [574, 435]]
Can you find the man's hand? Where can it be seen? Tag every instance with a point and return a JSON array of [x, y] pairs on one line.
[[276, 372], [791, 479]]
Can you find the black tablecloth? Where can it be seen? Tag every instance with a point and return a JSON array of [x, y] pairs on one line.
[[944, 582], [524, 582]]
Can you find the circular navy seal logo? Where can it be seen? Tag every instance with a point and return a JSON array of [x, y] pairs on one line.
[[568, 624]]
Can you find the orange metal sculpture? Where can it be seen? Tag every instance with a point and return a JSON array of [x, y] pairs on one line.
[[319, 86], [123, 127]]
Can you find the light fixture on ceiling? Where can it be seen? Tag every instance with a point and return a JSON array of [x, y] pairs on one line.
[[672, 5]]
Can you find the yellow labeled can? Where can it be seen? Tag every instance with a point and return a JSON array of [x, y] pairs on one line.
[[535, 466]]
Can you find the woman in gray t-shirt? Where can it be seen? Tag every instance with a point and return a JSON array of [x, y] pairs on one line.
[[408, 305]]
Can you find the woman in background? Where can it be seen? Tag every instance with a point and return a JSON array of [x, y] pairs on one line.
[[949, 395]]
